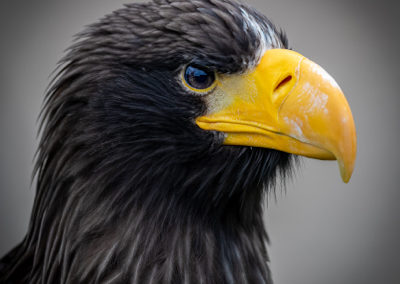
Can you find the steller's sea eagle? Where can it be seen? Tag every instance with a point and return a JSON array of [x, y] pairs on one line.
[[166, 124]]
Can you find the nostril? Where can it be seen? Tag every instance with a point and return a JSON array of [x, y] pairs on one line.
[[284, 82]]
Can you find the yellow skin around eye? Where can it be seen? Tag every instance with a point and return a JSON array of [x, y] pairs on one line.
[[199, 91]]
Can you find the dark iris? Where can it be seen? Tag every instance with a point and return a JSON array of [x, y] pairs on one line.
[[199, 77]]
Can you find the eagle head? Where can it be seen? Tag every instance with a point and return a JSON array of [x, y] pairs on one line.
[[166, 124]]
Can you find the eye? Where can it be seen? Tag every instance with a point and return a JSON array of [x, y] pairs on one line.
[[199, 79]]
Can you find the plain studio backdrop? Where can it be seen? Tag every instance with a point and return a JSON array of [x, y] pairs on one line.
[[321, 230]]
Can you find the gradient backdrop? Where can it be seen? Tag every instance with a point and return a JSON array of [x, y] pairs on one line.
[[322, 230]]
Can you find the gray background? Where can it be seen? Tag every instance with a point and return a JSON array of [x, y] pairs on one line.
[[322, 230]]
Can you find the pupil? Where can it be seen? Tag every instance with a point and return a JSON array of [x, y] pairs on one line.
[[199, 78]]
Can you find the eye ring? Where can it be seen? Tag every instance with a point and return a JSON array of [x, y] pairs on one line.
[[199, 79]]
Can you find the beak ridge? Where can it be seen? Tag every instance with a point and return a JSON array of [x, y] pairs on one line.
[[316, 111], [287, 103]]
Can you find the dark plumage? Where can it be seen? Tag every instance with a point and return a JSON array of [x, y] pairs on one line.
[[129, 188]]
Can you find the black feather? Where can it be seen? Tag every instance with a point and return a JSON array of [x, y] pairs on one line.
[[129, 189]]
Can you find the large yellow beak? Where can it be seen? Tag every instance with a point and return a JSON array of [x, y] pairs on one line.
[[287, 103]]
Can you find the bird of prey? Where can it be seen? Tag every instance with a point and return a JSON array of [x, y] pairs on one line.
[[167, 123]]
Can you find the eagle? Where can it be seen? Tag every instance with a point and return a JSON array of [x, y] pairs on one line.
[[166, 124]]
